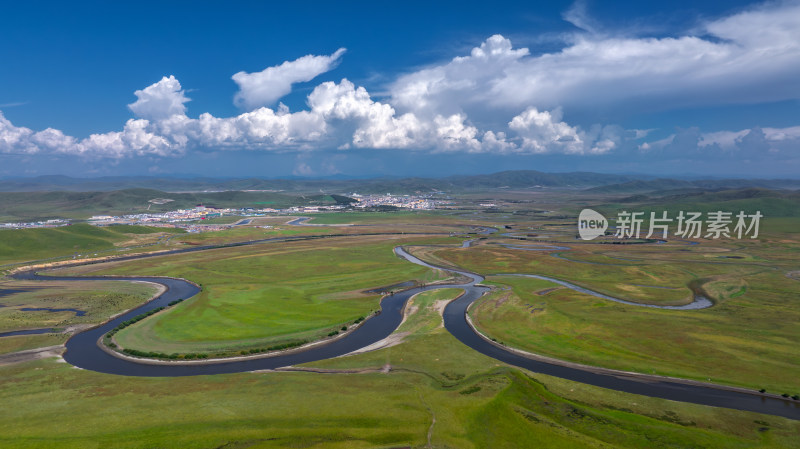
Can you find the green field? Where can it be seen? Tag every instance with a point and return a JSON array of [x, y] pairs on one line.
[[747, 338], [771, 203], [24, 342], [226, 219], [100, 300], [438, 393], [366, 217], [22, 245], [266, 294], [427, 389], [646, 274]]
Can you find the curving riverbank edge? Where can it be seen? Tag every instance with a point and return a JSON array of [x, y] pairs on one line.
[[610, 371], [233, 358], [83, 352]]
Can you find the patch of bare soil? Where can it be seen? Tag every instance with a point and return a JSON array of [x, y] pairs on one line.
[[501, 300], [547, 290], [31, 354]]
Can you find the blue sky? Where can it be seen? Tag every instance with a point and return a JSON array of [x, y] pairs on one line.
[[411, 88]]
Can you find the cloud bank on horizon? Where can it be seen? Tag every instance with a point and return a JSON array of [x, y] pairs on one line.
[[518, 97]]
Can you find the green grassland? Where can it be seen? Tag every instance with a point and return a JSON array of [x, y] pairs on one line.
[[46, 244], [367, 217], [21, 245], [388, 222], [771, 203], [267, 294], [241, 234], [226, 219], [100, 300], [744, 342], [747, 338], [438, 393], [621, 279], [24, 342]]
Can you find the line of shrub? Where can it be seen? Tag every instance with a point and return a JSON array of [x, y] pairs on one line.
[[175, 356], [135, 319], [161, 355], [279, 347], [136, 352], [138, 318]]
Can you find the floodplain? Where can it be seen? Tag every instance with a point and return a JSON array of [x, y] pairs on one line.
[[421, 387]]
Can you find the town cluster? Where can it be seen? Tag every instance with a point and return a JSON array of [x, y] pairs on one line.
[[400, 201], [192, 219], [35, 224]]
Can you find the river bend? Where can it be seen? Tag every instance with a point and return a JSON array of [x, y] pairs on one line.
[[83, 351]]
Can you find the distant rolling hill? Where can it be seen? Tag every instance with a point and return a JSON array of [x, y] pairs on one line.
[[26, 199], [666, 185], [532, 178], [28, 206], [595, 183], [517, 179], [771, 203]]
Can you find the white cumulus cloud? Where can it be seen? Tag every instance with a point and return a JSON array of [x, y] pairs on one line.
[[546, 132], [160, 100], [542, 131], [497, 99], [751, 56], [267, 86], [137, 138], [340, 115], [744, 144]]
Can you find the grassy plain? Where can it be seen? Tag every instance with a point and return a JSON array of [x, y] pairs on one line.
[[44, 244], [266, 294], [99, 300], [635, 272], [747, 338], [21, 245], [769, 207], [438, 393], [24, 342], [365, 217], [278, 227], [237, 234]]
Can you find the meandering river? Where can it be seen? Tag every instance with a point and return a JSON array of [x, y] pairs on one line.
[[83, 350]]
